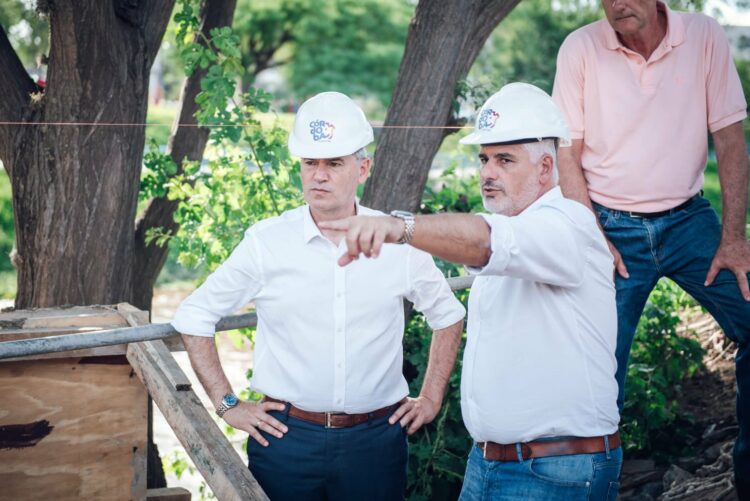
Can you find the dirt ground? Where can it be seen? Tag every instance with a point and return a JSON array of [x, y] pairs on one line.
[[707, 429]]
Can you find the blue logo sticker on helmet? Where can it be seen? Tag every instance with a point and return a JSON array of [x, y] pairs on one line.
[[321, 131], [487, 119]]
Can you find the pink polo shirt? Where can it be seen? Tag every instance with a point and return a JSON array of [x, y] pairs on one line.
[[643, 123]]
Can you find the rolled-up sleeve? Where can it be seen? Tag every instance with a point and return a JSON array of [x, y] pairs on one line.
[[542, 245], [234, 284], [430, 292]]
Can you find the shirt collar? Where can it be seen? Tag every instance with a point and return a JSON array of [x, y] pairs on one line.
[[675, 30], [310, 230], [553, 194]]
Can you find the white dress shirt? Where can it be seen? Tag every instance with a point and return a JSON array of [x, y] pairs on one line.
[[542, 329], [329, 338]]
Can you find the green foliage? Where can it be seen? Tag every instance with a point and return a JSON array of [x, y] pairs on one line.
[[351, 46], [7, 226], [27, 30], [525, 48], [252, 178], [265, 27], [160, 120], [437, 452], [659, 361]]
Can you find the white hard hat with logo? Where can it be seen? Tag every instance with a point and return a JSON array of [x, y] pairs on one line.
[[517, 113], [329, 125]]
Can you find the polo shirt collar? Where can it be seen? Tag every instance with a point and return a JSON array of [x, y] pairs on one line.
[[675, 30]]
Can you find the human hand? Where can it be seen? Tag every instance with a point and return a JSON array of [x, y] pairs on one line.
[[619, 263], [366, 234], [734, 256], [415, 413], [253, 416]]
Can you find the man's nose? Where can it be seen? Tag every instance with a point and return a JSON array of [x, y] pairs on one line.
[[320, 173]]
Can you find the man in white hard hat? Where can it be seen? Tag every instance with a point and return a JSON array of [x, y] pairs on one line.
[[538, 392], [328, 350]]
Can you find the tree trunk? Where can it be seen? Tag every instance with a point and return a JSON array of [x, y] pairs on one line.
[[185, 143], [75, 187], [444, 39]]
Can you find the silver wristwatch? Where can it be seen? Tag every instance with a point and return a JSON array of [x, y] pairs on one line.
[[229, 401], [409, 222]]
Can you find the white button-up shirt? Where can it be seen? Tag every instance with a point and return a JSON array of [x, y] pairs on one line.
[[329, 338], [542, 329]]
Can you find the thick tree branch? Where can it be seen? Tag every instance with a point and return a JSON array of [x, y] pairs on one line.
[[15, 88], [185, 143], [157, 14], [445, 37]]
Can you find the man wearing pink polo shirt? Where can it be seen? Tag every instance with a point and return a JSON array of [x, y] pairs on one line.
[[640, 89]]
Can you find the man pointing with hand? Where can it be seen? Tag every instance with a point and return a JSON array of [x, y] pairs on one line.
[[538, 389]]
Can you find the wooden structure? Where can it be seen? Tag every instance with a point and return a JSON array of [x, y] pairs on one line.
[[73, 424]]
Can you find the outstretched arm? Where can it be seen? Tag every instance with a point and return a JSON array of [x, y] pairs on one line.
[[460, 238]]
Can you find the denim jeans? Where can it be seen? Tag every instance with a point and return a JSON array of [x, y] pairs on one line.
[[680, 246], [364, 462], [578, 477]]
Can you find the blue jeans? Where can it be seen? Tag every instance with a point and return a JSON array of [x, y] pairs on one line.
[[578, 477], [680, 246], [311, 462]]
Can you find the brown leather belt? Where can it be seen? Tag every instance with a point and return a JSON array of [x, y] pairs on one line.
[[545, 448], [335, 419]]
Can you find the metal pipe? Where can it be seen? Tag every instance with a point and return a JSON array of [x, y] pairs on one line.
[[96, 339]]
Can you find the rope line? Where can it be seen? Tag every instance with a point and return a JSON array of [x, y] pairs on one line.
[[125, 124]]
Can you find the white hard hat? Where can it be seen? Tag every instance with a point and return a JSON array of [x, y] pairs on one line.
[[329, 125], [519, 112]]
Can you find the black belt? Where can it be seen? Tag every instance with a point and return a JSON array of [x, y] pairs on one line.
[[668, 212]]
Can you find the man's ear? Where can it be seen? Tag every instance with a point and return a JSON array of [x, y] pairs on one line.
[[545, 174], [364, 170]]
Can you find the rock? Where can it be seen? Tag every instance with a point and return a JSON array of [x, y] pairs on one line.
[[675, 475], [652, 489], [692, 463], [631, 466], [713, 452]]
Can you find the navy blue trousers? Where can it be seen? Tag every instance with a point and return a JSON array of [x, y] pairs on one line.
[[311, 462]]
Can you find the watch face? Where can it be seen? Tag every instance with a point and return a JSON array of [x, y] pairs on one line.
[[230, 400]]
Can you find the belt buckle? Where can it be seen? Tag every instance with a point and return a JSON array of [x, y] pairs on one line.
[[484, 450], [329, 424]]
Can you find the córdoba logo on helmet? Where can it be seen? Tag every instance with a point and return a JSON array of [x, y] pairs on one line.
[[487, 119], [321, 131]]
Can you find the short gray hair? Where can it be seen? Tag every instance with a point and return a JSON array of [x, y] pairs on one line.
[[361, 154], [537, 149]]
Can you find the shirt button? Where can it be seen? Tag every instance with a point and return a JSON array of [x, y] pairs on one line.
[[339, 401], [340, 365]]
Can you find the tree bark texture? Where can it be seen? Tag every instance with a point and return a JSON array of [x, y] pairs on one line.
[[445, 37], [75, 188], [185, 143]]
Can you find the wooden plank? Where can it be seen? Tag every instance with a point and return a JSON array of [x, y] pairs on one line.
[[132, 315], [73, 429], [71, 311], [213, 455], [168, 494]]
